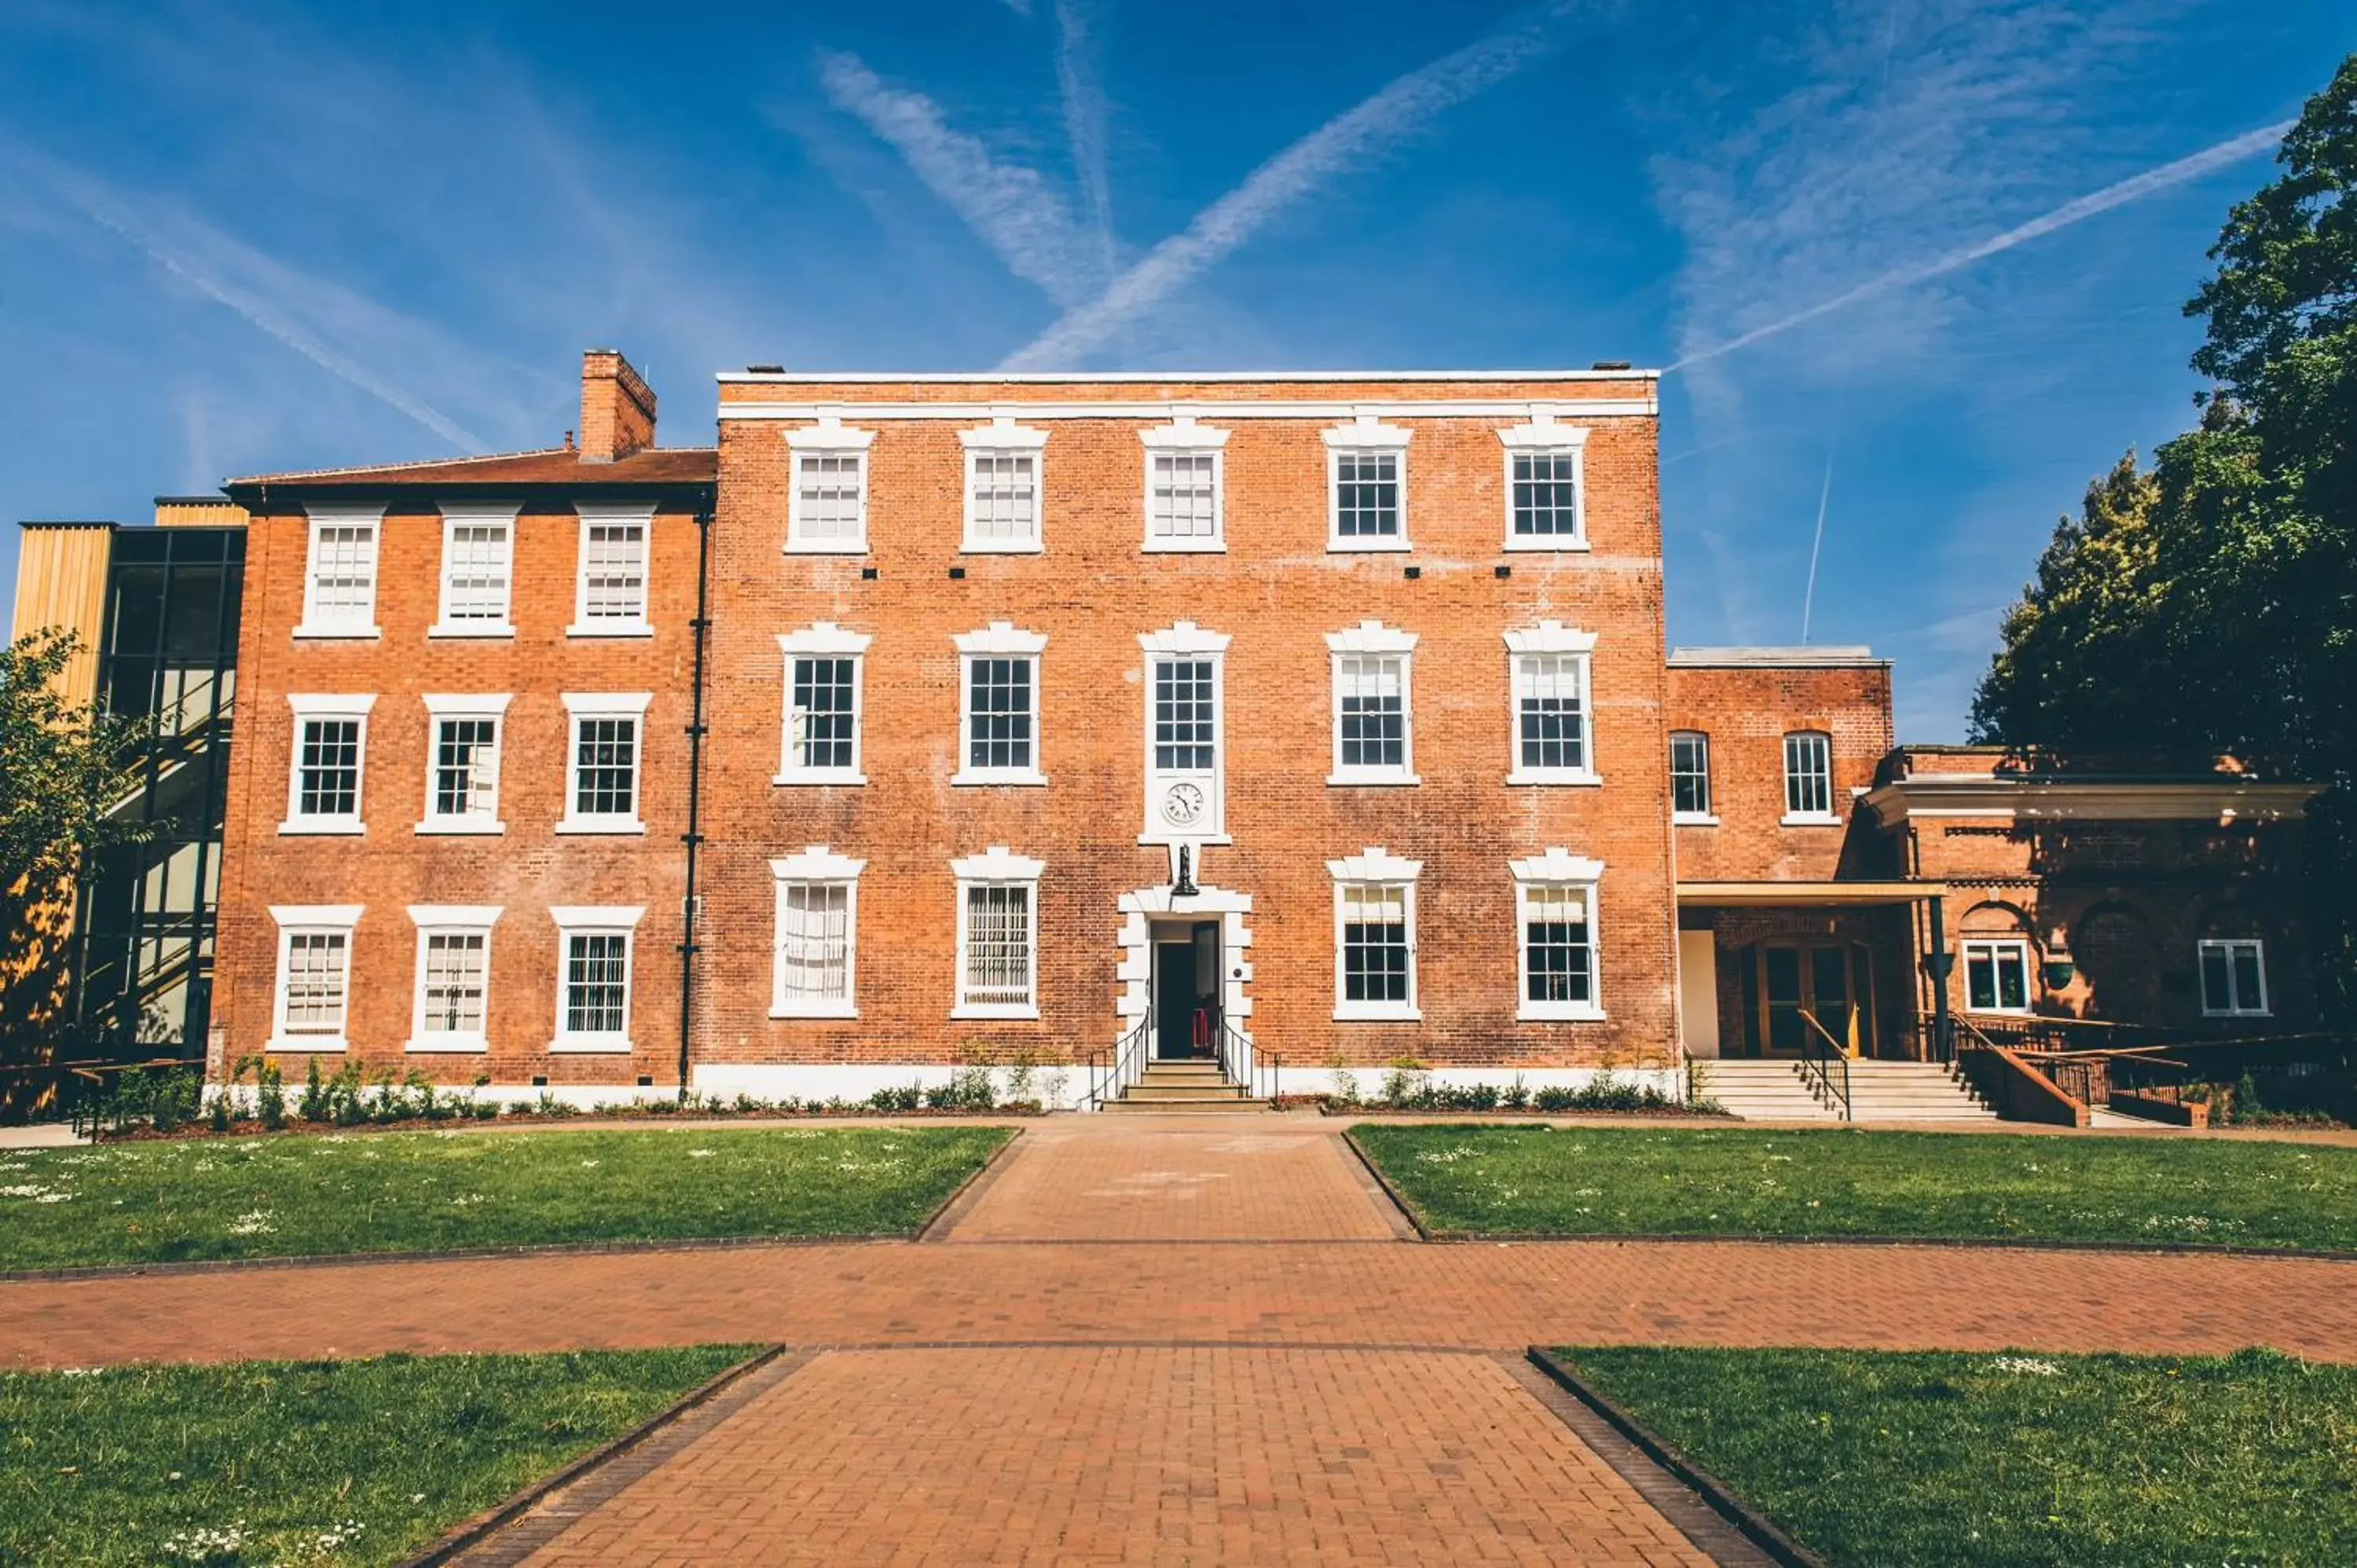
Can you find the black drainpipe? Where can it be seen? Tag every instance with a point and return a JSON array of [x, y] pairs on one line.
[[693, 837], [1944, 1044]]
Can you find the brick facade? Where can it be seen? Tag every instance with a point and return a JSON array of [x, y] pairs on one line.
[[529, 867], [1275, 600], [2114, 884], [1275, 591]]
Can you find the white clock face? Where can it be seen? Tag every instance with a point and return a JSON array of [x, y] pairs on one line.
[[1183, 804]]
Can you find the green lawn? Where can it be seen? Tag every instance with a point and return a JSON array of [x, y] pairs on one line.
[[1938, 1457], [1618, 1181], [396, 1192], [293, 1462]]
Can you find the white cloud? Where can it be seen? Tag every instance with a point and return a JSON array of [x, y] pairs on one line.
[[1086, 114], [377, 350], [1013, 210], [2118, 194], [1342, 144]]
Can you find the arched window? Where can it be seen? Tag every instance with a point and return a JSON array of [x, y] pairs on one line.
[[1996, 960]]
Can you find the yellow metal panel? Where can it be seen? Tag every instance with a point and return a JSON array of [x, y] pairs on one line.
[[199, 512], [61, 583]]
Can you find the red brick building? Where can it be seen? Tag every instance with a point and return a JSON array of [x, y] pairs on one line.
[[457, 803], [928, 720]]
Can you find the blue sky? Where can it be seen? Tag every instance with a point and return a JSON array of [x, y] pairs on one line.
[[242, 237]]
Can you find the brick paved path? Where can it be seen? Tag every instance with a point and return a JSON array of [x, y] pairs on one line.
[[1141, 1454], [1150, 1341]]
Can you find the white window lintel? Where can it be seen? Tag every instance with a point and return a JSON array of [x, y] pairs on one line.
[[1371, 637], [998, 864], [829, 434], [1366, 433], [1542, 434], [331, 705], [467, 704], [1374, 863], [1550, 637], [607, 705], [454, 916], [1000, 638], [1556, 865], [823, 637], [1183, 434], [816, 863], [597, 917], [1003, 435], [1183, 636]]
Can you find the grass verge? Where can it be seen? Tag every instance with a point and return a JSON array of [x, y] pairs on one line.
[[406, 1192], [1622, 1181], [296, 1462], [1940, 1457]]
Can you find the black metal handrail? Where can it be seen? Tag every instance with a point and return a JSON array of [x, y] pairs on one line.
[[1820, 1055], [1261, 1072], [1109, 1072]]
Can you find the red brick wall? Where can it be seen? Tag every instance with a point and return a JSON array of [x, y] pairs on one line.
[[1277, 591], [2125, 902], [528, 869], [1746, 712]]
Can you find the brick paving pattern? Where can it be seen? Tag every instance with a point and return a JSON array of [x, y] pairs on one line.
[[1141, 1342], [1068, 1184], [1136, 1455], [1475, 1296]]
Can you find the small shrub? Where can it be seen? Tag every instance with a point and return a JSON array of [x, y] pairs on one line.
[[969, 1089], [1516, 1096], [270, 1096], [1346, 1082], [910, 1097], [313, 1106], [1556, 1098], [1407, 1079]]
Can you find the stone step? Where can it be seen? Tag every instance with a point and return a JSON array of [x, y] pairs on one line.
[[1208, 1090], [1188, 1107]]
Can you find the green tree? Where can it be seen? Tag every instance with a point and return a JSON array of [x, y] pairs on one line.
[[2094, 594], [2212, 602], [64, 768]]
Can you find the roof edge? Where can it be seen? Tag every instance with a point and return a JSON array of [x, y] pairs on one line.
[[1133, 378], [1853, 656]]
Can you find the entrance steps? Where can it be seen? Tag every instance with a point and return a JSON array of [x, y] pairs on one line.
[[1778, 1089], [1186, 1086]]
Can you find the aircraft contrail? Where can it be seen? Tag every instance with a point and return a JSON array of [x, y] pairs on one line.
[[2133, 189], [1343, 143]]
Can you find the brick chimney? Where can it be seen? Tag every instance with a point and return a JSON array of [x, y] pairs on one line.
[[618, 407]]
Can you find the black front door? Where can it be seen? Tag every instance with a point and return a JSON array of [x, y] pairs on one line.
[[1187, 991]]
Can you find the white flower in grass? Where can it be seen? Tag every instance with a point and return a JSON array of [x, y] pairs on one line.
[[254, 1224], [701, 1154], [2027, 1367], [588, 1164], [207, 1544]]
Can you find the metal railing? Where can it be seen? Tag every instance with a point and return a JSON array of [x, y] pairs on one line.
[[1821, 1056], [1109, 1072], [1261, 1072]]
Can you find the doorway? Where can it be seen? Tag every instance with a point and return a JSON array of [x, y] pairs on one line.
[[1831, 981], [1186, 985]]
